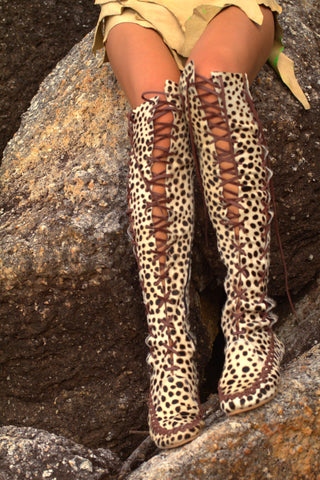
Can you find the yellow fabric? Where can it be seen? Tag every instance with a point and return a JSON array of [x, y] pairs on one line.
[[284, 66], [181, 23]]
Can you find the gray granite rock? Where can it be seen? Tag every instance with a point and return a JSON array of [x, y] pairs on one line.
[[30, 454], [302, 332], [278, 440]]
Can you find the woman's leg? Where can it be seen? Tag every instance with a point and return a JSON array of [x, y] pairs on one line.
[[234, 168], [140, 60], [160, 197], [233, 43], [142, 63]]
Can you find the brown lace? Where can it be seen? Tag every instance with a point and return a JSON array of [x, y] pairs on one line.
[[217, 118], [274, 206], [160, 223]]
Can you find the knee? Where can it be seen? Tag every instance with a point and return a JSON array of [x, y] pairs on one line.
[[220, 59]]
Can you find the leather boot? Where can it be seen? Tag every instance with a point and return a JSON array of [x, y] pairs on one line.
[[161, 211], [233, 164]]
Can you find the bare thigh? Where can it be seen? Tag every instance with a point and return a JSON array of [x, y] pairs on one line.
[[140, 60], [233, 43]]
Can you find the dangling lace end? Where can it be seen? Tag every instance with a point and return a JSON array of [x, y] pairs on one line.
[[275, 218], [284, 265]]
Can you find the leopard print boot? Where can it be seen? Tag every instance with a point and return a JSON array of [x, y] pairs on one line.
[[161, 211], [233, 164]]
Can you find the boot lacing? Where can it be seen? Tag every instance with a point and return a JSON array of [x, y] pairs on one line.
[[159, 200], [215, 113]]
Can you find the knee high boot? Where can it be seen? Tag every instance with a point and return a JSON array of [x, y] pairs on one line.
[[232, 157], [161, 211]]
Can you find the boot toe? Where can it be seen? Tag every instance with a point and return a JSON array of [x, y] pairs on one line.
[[175, 431], [246, 385]]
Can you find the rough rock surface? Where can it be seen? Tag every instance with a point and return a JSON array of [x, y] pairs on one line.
[[34, 36], [72, 323], [279, 440], [302, 332], [69, 311], [30, 454]]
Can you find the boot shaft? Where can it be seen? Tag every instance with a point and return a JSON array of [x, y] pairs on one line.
[[164, 285], [161, 211], [233, 163]]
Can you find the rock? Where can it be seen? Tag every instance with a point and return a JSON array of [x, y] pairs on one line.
[[72, 322], [34, 36], [302, 332], [70, 314], [28, 453], [293, 138], [279, 440], [292, 135]]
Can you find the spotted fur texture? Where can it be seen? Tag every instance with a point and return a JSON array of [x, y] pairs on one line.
[[174, 409], [233, 166]]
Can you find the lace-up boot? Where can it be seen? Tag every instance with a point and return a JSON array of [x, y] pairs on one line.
[[161, 211], [233, 164]]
